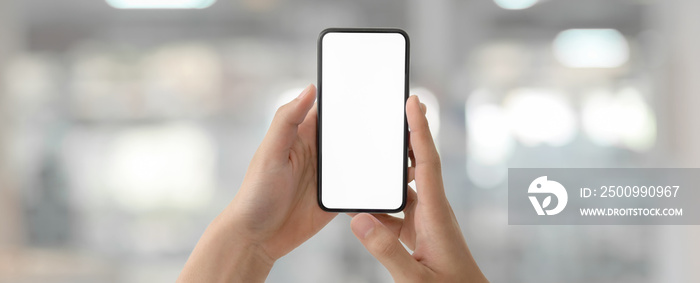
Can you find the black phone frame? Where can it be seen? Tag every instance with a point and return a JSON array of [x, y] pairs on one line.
[[319, 96]]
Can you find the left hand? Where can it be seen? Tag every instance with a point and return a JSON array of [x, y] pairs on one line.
[[276, 208]]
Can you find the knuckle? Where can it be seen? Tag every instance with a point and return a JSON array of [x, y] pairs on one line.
[[281, 111], [432, 162], [389, 250], [283, 114], [384, 246]]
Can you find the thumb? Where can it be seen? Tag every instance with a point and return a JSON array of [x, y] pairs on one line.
[[384, 246], [283, 129]]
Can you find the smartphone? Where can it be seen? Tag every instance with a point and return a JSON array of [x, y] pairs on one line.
[[362, 130]]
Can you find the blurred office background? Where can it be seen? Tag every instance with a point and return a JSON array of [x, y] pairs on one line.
[[124, 130]]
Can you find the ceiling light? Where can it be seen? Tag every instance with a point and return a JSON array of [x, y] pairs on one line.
[[160, 4]]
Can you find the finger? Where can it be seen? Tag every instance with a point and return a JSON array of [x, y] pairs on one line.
[[395, 224], [411, 174], [384, 246], [283, 129], [428, 173], [403, 228], [411, 196], [408, 231], [308, 127], [411, 156], [424, 109], [311, 120]]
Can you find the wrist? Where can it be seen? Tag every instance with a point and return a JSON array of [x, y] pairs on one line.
[[224, 254], [251, 262], [248, 260]]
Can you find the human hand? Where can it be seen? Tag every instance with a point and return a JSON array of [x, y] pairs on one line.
[[276, 208], [429, 227]]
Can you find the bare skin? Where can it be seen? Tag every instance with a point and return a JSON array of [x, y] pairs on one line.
[[429, 227], [276, 210]]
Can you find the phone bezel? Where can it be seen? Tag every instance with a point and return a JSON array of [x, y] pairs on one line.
[[319, 96]]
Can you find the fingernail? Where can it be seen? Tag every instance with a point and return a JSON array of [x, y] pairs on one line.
[[305, 91], [364, 225]]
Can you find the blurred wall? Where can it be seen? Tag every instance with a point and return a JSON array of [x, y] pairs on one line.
[[678, 248], [124, 132]]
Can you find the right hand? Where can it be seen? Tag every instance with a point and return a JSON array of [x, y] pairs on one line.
[[429, 227]]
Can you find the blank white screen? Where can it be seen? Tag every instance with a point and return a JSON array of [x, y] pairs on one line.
[[362, 120]]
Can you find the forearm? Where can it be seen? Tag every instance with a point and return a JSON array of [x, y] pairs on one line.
[[223, 256]]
